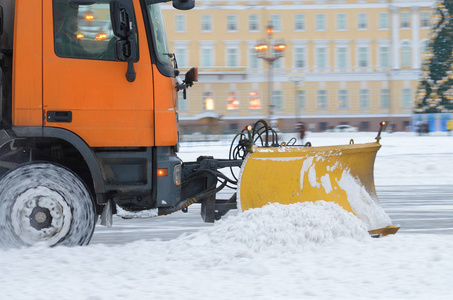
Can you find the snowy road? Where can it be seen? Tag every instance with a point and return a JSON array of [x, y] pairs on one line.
[[418, 209], [273, 253]]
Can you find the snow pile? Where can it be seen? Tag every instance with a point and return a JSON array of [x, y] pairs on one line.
[[143, 214], [335, 262], [365, 206], [362, 204], [276, 228]]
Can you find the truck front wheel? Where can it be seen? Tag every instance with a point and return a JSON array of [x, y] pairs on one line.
[[47, 204]]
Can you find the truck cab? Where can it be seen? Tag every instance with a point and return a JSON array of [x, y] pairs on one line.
[[91, 87]]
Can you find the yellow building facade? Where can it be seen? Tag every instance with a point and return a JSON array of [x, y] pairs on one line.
[[351, 62]]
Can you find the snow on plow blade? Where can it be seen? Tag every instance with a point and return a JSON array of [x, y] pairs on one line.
[[289, 174]]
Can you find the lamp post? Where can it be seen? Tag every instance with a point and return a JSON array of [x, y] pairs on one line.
[[296, 78], [270, 50]]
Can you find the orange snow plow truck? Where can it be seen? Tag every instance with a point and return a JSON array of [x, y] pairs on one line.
[[89, 127]]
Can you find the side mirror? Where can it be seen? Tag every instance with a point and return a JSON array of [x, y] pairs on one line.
[[191, 76], [184, 4], [121, 23], [125, 50], [126, 47]]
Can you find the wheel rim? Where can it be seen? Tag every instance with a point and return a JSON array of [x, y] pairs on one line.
[[41, 215]]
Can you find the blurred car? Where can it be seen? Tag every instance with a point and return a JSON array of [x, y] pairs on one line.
[[343, 128]]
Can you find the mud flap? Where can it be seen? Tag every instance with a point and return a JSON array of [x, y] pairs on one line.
[[107, 215], [208, 210]]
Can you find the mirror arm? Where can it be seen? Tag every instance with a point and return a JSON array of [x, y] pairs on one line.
[[130, 74]]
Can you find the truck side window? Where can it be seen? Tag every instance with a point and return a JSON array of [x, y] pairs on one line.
[[83, 31]]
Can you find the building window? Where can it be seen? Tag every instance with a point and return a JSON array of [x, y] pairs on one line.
[[232, 23], [181, 56], [363, 57], [299, 57], [406, 54], [362, 21], [180, 23], [300, 100], [182, 103], [253, 59], [232, 57], [299, 22], [234, 127], [385, 98], [277, 100], [277, 64], [364, 99], [343, 102], [233, 102], [206, 23], [255, 100], [407, 98], [321, 57], [320, 22], [423, 48], [405, 20], [208, 101], [364, 126], [342, 57], [384, 56], [275, 21], [383, 20], [207, 58], [425, 20], [406, 124], [254, 23], [341, 21], [322, 99]]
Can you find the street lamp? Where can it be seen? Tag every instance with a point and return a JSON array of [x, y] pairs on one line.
[[270, 50], [296, 78]]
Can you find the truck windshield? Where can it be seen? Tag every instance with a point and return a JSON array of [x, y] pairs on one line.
[[158, 33]]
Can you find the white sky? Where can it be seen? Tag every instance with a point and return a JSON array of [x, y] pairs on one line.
[[304, 251]]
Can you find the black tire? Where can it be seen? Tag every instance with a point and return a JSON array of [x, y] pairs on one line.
[[44, 203]]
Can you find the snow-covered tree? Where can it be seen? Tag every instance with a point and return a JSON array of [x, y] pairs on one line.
[[435, 93]]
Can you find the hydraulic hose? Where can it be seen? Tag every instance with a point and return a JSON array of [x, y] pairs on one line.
[[211, 191]]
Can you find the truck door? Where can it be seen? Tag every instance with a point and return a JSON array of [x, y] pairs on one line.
[[85, 89]]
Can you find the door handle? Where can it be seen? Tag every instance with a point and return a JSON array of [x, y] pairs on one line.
[[59, 116]]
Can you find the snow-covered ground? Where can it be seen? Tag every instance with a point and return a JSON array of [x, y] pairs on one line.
[[302, 251]]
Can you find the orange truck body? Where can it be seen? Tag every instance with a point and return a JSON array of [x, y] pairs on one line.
[[115, 131], [107, 111]]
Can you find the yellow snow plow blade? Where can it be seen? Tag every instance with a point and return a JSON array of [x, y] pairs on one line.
[[289, 174], [384, 231]]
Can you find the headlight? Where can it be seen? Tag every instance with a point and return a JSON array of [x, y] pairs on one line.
[[177, 175]]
